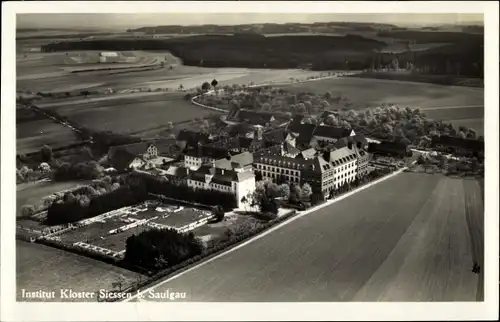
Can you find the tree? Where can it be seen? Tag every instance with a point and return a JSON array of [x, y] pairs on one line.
[[205, 86], [331, 120], [218, 213], [306, 191], [214, 83], [181, 87], [27, 210], [284, 190], [47, 154]]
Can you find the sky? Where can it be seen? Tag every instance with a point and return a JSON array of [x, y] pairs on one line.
[[123, 21]]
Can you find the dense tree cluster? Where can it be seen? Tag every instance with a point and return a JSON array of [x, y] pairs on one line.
[[244, 51], [462, 54], [75, 207], [90, 170], [157, 249]]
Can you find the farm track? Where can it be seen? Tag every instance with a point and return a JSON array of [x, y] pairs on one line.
[[387, 243]]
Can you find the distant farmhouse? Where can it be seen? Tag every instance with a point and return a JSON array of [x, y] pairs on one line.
[[104, 55], [143, 155], [323, 135], [251, 117]]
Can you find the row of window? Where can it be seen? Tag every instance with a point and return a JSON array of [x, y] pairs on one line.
[[212, 185], [277, 170], [271, 175]]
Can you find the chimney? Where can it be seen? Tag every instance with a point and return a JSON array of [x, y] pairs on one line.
[[349, 145]]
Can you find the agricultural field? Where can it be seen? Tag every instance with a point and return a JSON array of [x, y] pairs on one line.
[[385, 243], [41, 267], [376, 92], [131, 115], [459, 105], [33, 131]]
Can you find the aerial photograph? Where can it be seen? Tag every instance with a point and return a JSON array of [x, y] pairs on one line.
[[253, 158]]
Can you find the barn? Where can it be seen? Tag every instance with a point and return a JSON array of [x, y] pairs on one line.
[[104, 55]]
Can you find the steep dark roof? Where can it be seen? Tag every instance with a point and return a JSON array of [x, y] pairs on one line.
[[475, 145], [254, 117], [134, 148], [208, 151], [288, 148], [305, 132], [238, 160], [219, 176], [192, 138], [277, 135], [121, 159], [295, 123], [169, 147], [340, 156], [331, 132]]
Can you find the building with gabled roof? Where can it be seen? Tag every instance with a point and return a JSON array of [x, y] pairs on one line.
[[143, 154], [251, 117], [239, 181], [196, 157]]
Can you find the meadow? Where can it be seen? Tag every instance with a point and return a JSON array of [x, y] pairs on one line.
[[381, 244], [131, 115], [33, 131], [40, 267], [374, 92], [32, 193]]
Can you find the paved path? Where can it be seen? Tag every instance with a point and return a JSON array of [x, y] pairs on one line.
[[405, 239]]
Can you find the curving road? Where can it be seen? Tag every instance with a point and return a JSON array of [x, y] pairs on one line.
[[404, 239]]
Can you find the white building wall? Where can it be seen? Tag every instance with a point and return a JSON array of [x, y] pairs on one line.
[[345, 173], [192, 162]]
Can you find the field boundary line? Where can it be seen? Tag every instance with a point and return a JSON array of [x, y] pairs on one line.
[[266, 232]]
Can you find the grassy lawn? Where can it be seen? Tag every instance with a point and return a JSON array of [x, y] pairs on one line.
[[91, 233], [41, 267]]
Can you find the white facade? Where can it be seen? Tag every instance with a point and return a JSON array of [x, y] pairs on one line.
[[240, 189], [345, 173], [108, 54], [195, 163], [151, 153]]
